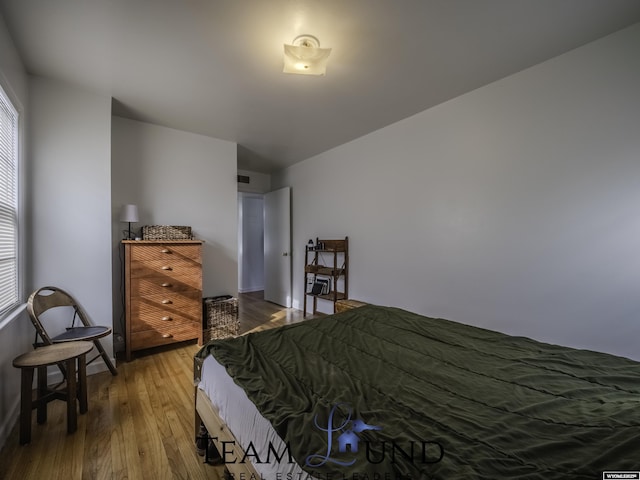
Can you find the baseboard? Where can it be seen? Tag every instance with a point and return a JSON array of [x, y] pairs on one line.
[[250, 289], [9, 421]]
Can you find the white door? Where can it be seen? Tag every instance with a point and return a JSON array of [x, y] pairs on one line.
[[277, 247]]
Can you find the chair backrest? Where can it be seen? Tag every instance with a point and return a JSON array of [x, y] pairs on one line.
[[46, 298]]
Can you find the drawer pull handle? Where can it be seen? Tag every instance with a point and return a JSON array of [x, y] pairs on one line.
[[167, 319], [167, 302], [167, 335], [165, 250], [167, 285], [167, 268]]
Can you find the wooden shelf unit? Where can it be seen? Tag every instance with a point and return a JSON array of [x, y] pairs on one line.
[[337, 270]]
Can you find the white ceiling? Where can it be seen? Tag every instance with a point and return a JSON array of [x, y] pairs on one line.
[[214, 67]]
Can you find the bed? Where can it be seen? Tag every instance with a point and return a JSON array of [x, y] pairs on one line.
[[382, 393]]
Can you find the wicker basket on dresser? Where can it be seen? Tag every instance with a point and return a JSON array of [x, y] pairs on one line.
[[163, 292]]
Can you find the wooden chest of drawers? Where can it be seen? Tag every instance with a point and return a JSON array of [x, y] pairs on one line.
[[163, 292]]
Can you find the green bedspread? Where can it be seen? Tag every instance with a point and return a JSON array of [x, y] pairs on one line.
[[472, 403]]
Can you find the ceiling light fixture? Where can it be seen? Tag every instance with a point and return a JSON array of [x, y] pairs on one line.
[[305, 57]]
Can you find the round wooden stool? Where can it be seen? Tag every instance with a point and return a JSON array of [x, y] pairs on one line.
[[67, 353]]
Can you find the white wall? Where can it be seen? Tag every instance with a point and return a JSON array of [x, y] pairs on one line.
[[177, 178], [515, 207], [258, 182], [16, 332], [70, 191]]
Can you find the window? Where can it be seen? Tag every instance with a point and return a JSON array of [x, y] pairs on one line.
[[8, 204]]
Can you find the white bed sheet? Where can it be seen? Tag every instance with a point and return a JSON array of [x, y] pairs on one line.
[[246, 423]]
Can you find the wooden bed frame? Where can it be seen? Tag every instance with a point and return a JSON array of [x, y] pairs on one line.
[[207, 413]]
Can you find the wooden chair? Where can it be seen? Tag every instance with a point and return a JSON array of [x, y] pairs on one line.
[[47, 298]]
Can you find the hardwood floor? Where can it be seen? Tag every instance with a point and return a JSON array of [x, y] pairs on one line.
[[139, 424], [254, 310]]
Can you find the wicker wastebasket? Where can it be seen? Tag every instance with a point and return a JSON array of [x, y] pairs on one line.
[[221, 317]]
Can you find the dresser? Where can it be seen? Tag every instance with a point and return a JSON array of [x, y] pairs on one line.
[[163, 292]]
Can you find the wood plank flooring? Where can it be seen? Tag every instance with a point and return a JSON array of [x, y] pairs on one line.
[[139, 424]]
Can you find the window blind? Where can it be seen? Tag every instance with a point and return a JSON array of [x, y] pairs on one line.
[[8, 204]]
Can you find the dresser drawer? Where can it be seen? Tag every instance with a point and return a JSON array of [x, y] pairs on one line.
[[189, 253], [186, 304], [162, 285], [148, 315], [171, 266], [163, 336]]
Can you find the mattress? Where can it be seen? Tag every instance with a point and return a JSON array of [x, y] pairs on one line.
[[383, 393], [253, 432]]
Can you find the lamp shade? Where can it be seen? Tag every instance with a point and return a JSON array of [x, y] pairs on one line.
[[129, 213], [305, 57]]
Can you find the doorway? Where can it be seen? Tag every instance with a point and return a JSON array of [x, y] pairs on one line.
[[264, 245], [250, 242]]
